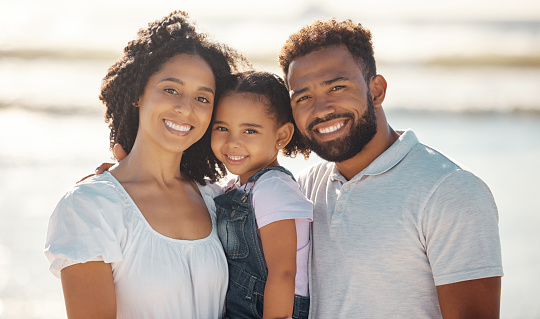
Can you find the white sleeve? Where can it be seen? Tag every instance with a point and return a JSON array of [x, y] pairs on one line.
[[461, 230], [276, 196], [84, 227]]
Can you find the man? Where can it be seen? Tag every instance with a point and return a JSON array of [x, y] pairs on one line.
[[399, 230]]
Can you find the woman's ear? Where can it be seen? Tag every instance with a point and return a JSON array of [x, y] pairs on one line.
[[284, 135], [377, 85]]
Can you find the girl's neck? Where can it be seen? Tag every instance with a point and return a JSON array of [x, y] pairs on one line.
[[244, 179]]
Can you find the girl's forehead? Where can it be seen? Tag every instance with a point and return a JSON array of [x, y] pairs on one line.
[[254, 100]]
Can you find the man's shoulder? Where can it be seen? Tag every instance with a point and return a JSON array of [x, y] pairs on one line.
[[317, 169], [315, 174]]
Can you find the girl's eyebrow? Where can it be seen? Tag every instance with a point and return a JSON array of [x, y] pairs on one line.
[[251, 125], [180, 82]]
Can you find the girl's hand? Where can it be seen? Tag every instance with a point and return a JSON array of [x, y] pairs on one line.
[[119, 153]]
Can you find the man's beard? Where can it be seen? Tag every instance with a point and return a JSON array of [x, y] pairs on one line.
[[346, 147]]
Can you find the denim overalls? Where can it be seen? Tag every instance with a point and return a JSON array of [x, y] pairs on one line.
[[238, 232]]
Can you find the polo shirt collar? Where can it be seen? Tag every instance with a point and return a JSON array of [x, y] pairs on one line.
[[393, 155]]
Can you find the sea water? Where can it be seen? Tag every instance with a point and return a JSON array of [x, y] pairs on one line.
[[486, 116]]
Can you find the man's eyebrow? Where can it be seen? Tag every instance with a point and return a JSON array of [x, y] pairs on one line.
[[178, 81], [339, 78], [323, 83], [296, 93]]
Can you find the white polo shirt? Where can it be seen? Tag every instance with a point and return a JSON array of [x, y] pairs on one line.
[[384, 240]]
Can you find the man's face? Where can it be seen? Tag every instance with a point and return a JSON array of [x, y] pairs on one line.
[[331, 103]]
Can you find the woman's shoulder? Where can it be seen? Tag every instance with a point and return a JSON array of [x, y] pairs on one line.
[[99, 193]]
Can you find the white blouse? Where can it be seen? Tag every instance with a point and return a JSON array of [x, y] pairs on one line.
[[154, 276]]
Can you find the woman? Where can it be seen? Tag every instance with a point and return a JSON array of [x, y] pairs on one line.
[[139, 241]]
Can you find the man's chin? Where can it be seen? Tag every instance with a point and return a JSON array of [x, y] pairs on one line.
[[333, 151]]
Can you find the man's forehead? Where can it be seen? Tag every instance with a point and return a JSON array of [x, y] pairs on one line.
[[302, 76]]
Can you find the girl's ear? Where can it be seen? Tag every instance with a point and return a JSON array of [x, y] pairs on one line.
[[284, 135]]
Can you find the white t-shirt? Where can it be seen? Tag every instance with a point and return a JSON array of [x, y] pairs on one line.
[[276, 197], [154, 276], [383, 241]]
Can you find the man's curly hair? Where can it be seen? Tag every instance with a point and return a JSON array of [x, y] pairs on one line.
[[331, 33], [143, 57], [270, 90]]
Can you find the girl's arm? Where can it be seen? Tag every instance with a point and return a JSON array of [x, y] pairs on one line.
[[279, 246], [89, 290]]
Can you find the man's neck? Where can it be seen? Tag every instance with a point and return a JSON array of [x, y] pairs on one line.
[[384, 138]]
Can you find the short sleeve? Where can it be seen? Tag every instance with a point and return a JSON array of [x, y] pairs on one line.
[[461, 230], [276, 196], [86, 225]]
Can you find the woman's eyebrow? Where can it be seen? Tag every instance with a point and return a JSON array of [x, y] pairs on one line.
[[178, 81]]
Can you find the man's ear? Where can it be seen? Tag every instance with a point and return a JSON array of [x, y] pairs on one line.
[[377, 86], [285, 134]]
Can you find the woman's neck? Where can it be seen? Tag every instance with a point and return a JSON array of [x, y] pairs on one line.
[[148, 163]]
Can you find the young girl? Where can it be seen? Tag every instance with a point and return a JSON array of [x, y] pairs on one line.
[[263, 219]]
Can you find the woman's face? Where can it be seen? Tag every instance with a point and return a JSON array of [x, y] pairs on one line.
[[176, 106]]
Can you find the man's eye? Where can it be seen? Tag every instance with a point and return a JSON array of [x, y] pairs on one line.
[[303, 98], [338, 87]]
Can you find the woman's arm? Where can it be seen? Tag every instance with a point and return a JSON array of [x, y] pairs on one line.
[[89, 290], [279, 246]]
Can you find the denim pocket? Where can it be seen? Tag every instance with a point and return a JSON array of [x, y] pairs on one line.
[[231, 232]]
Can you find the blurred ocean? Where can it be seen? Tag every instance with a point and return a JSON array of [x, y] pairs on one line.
[[466, 81]]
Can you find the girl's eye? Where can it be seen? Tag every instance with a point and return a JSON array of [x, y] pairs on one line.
[[171, 91], [250, 131], [202, 99], [221, 129]]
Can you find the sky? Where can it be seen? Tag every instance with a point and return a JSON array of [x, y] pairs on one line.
[[59, 23]]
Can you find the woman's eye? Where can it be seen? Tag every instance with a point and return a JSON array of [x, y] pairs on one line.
[[202, 99], [171, 91]]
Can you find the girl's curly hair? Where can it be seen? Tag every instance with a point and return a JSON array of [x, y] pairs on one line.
[[270, 90], [143, 57], [329, 33]]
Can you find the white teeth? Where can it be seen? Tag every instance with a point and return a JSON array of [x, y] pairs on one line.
[[235, 158], [176, 127], [332, 128]]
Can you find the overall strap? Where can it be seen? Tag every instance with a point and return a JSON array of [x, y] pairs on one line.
[[265, 169], [253, 179]]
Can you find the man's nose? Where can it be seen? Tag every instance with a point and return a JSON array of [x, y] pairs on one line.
[[323, 107]]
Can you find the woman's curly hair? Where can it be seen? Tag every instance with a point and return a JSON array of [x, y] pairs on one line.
[[270, 90], [329, 33], [143, 57]]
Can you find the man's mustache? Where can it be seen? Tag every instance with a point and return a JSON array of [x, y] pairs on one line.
[[329, 118]]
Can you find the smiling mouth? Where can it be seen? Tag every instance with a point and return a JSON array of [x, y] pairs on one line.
[[177, 127], [235, 157], [332, 128]]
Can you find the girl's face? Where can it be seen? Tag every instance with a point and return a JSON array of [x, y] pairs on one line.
[[244, 137], [176, 106]]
